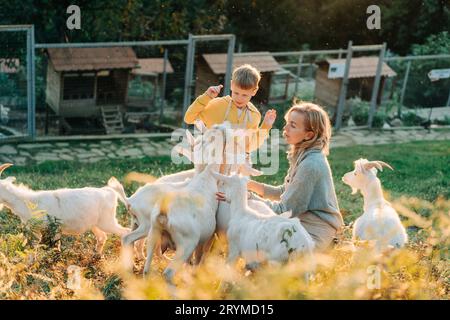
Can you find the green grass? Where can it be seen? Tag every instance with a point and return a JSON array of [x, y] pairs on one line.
[[421, 170]]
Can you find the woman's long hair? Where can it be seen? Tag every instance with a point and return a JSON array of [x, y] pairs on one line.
[[317, 121]]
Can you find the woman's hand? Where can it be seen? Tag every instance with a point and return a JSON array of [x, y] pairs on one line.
[[255, 187]]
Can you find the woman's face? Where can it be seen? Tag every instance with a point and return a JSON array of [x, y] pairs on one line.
[[294, 131]]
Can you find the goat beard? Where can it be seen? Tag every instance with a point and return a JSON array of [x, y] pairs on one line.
[[354, 190]]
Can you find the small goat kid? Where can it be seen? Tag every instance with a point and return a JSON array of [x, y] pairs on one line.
[[260, 237], [140, 204], [79, 210], [379, 222]]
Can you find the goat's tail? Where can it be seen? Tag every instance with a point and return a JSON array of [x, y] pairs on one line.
[[117, 187]]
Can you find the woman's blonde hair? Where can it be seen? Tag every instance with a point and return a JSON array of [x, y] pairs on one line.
[[317, 121]]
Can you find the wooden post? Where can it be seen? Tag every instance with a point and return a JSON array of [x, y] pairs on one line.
[[343, 93], [376, 86]]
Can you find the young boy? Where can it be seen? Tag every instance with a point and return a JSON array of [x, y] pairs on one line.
[[237, 109]]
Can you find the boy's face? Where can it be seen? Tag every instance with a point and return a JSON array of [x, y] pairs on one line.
[[241, 96]]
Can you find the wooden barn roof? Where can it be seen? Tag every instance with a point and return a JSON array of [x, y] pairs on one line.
[[152, 66], [9, 65], [263, 61], [74, 59], [364, 67]]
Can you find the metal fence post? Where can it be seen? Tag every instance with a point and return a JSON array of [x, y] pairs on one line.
[[448, 100], [31, 101], [230, 53], [299, 69], [188, 76], [343, 93], [163, 89], [405, 81], [376, 86]]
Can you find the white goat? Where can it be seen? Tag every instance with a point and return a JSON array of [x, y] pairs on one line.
[[379, 222], [260, 237], [79, 210], [188, 214], [141, 203]]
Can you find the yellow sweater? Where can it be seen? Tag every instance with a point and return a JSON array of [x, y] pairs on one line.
[[212, 111]]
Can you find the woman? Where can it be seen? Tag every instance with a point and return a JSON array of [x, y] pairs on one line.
[[308, 189]]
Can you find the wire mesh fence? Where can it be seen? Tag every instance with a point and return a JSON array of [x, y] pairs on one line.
[[146, 86], [14, 75], [114, 88]]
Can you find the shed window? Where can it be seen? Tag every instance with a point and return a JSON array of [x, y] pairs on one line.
[[78, 87]]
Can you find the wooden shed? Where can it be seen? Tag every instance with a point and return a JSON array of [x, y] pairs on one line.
[[147, 82], [362, 74], [211, 69], [82, 80]]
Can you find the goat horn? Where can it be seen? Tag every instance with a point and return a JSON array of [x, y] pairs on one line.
[[4, 166], [385, 165], [373, 164]]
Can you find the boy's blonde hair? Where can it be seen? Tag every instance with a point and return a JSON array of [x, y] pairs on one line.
[[317, 121], [246, 77]]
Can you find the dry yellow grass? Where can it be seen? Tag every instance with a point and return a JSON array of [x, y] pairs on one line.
[[419, 271]]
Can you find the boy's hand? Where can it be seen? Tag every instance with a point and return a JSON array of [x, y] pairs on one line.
[[269, 117], [214, 91]]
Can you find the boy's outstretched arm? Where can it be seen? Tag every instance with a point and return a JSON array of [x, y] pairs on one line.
[[196, 108]]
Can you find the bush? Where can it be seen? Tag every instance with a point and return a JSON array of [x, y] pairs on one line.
[[391, 107], [410, 118], [359, 110], [378, 119]]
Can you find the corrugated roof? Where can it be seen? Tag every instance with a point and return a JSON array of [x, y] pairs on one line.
[[9, 65], [152, 66], [363, 67], [263, 61], [74, 59]]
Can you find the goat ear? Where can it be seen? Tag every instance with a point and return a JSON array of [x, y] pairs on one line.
[[247, 170], [220, 176], [190, 138], [200, 125]]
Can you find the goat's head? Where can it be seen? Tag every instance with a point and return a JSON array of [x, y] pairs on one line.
[[235, 184], [208, 147], [364, 172]]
